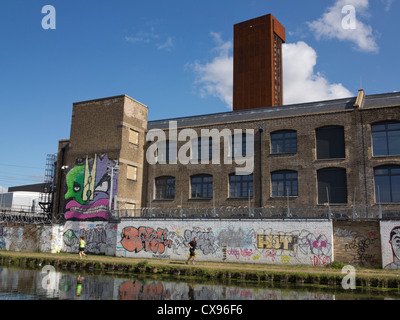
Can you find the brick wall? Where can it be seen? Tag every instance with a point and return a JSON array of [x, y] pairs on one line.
[[357, 243]]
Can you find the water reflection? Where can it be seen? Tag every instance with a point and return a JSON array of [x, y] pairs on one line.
[[48, 284]]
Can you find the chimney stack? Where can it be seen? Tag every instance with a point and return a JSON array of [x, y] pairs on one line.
[[257, 63]]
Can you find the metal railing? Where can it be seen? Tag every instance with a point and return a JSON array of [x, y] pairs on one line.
[[371, 212], [26, 218], [331, 212]]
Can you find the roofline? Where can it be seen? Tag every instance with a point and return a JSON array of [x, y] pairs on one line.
[[274, 107], [109, 98]]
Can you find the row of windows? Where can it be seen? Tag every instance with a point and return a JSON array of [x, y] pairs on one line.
[[202, 148], [332, 185], [240, 186], [330, 143]]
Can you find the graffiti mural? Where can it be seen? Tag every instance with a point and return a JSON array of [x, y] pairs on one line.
[[223, 241], [277, 241], [395, 246], [205, 240], [88, 186], [235, 238], [146, 239], [99, 237]]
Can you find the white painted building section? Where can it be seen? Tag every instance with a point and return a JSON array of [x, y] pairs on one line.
[[27, 201]]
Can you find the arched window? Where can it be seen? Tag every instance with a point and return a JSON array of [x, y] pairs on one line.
[[284, 183], [284, 141], [201, 186], [240, 186], [386, 138], [330, 142], [332, 185], [387, 183], [164, 188]]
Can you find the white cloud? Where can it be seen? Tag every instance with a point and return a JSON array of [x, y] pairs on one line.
[[167, 45], [3, 190], [151, 37], [329, 26], [387, 4], [143, 36], [216, 77], [301, 83]]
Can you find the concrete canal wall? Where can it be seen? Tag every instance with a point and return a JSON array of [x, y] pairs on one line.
[[370, 244]]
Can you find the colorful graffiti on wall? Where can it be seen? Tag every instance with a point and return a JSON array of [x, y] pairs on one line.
[[88, 186], [227, 243], [99, 237], [145, 238], [395, 244]]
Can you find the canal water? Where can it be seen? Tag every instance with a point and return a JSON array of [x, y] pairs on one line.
[[48, 284]]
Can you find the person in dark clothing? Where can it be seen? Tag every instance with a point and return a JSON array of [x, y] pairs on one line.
[[192, 248]]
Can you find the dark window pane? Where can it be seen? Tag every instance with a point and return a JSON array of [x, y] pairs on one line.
[[283, 141], [382, 189], [240, 186], [394, 126], [332, 185], [165, 188], [330, 142], [379, 144], [387, 183], [201, 186], [378, 127], [396, 188], [394, 142], [284, 183], [386, 138]]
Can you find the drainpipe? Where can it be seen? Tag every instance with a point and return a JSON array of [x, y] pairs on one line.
[[359, 104], [260, 130]]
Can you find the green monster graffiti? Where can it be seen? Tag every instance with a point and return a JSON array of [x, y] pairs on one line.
[[89, 189]]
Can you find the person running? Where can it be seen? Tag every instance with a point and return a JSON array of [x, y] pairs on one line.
[[82, 247], [192, 248]]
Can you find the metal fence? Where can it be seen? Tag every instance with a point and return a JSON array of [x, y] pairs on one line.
[[315, 212], [25, 218], [8, 216]]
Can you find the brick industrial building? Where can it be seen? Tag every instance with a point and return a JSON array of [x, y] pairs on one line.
[[341, 152]]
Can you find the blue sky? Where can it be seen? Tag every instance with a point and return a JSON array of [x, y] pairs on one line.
[[173, 56]]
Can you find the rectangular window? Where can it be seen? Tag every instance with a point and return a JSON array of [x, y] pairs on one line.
[[284, 183], [386, 138], [240, 186], [284, 141], [131, 172], [332, 185], [201, 187], [330, 142], [165, 188], [133, 136], [387, 184]]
